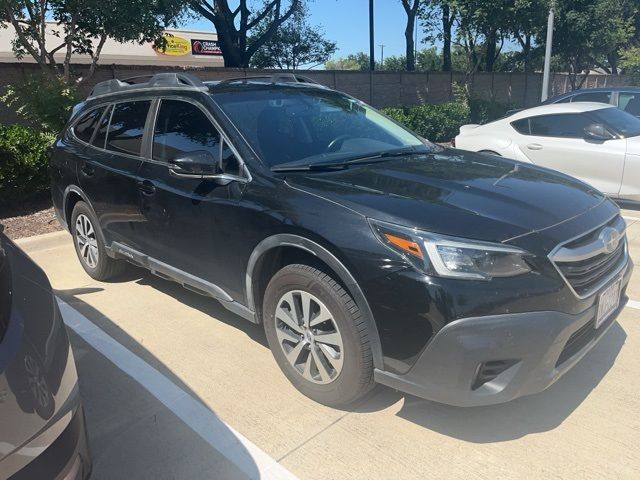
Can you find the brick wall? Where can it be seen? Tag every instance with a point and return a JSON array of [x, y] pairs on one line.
[[379, 88]]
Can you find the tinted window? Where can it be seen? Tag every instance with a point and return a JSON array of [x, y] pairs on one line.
[[87, 124], [312, 125], [229, 163], [629, 102], [618, 121], [127, 127], [101, 135], [521, 126], [566, 125], [602, 97], [181, 128]]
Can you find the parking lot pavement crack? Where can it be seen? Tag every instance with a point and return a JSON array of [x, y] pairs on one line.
[[279, 460]]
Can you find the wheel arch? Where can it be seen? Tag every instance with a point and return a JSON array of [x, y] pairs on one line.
[[263, 254], [72, 195]]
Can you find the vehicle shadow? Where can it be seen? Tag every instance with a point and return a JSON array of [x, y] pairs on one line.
[[136, 432], [496, 423], [524, 416], [204, 304]]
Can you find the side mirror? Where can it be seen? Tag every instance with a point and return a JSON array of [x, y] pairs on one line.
[[195, 164], [597, 133]]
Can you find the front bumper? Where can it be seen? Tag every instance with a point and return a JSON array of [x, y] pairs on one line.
[[533, 349]]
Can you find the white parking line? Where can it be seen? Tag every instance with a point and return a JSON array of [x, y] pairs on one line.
[[633, 304], [633, 219], [222, 437]]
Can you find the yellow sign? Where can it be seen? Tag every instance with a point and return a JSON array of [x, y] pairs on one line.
[[174, 46]]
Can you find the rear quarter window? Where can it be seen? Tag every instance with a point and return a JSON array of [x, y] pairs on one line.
[[85, 127], [521, 126]]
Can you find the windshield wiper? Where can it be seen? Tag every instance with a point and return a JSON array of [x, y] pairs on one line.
[[342, 164]]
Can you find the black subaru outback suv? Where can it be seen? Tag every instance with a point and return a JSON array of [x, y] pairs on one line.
[[368, 253]]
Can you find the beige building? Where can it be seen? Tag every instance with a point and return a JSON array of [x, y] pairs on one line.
[[184, 48]]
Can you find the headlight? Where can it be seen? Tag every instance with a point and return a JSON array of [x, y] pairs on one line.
[[452, 257]]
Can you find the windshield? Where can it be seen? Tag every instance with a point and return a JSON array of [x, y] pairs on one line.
[[311, 125], [622, 122]]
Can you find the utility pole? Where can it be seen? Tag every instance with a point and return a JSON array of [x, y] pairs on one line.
[[372, 48], [415, 44], [381, 53], [547, 55]]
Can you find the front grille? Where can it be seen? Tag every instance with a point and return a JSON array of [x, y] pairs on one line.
[[584, 262]]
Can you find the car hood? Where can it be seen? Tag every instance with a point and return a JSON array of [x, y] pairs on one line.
[[456, 192]]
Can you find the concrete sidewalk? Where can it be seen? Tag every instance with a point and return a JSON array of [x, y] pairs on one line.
[[585, 426]]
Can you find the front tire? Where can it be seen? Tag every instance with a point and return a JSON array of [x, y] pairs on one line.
[[90, 246], [318, 336]]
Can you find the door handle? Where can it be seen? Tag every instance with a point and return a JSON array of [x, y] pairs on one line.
[[147, 188], [87, 170], [534, 146]]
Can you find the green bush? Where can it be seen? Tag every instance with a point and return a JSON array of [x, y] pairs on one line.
[[438, 122], [484, 111], [24, 165], [43, 100], [441, 122]]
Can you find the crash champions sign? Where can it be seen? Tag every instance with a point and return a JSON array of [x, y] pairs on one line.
[[205, 47], [173, 46]]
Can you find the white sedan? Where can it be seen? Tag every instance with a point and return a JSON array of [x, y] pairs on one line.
[[595, 142]]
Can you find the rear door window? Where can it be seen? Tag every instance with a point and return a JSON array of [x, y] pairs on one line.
[[127, 127], [87, 124]]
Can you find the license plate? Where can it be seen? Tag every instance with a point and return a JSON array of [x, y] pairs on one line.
[[608, 302]]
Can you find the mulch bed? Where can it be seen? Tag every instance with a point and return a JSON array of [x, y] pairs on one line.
[[33, 217]]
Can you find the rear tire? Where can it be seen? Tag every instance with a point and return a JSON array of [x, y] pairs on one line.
[[90, 246], [318, 336]]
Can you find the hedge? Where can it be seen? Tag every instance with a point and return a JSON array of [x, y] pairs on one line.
[[441, 122], [24, 165]]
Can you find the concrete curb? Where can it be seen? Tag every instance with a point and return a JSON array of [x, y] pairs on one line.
[[44, 242]]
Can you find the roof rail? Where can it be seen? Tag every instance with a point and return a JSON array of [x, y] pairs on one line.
[[159, 80], [275, 78]]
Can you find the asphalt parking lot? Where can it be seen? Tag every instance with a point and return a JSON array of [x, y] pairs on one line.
[[174, 386]]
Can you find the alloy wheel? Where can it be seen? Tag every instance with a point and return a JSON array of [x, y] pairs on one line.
[[87, 241], [309, 337]]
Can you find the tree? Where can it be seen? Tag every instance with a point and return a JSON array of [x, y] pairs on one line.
[[526, 21], [437, 19], [234, 26], [428, 59], [353, 61], [82, 27], [294, 44], [630, 64], [411, 8], [586, 32]]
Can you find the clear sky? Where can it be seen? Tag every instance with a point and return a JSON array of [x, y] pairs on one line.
[[346, 22]]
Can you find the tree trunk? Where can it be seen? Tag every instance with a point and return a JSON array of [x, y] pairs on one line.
[[526, 52], [613, 62], [410, 44], [446, 37], [490, 56]]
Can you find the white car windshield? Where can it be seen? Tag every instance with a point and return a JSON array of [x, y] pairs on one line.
[[621, 122]]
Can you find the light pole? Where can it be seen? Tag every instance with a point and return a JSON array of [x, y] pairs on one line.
[[381, 53], [372, 47], [547, 56]]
